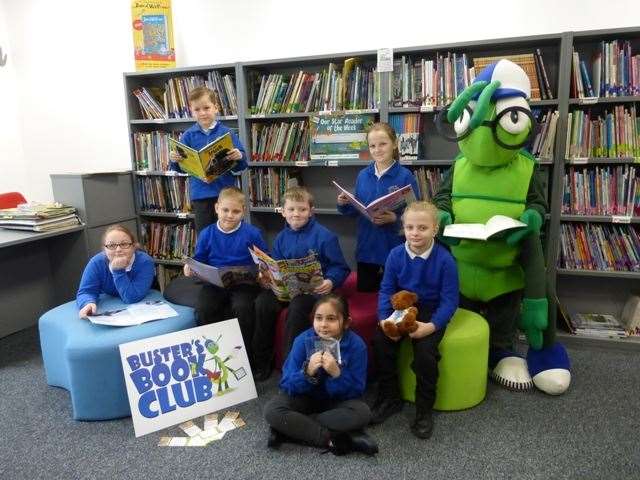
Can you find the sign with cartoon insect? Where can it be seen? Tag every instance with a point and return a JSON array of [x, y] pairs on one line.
[[176, 377]]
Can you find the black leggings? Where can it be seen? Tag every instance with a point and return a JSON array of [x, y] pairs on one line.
[[292, 417]]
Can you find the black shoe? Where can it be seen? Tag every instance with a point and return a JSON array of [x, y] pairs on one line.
[[363, 443], [383, 408], [275, 438], [423, 425], [340, 444], [261, 374]]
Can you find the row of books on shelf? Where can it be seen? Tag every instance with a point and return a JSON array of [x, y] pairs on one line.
[[606, 190], [436, 82], [151, 150], [168, 241], [602, 247], [163, 194], [354, 87], [613, 71], [267, 185], [280, 141], [171, 100], [544, 140], [614, 134]]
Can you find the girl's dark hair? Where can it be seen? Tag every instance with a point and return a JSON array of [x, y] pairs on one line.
[[338, 302]]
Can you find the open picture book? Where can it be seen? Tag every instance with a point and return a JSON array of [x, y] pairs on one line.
[[209, 162], [289, 278], [223, 277], [481, 231], [391, 201]]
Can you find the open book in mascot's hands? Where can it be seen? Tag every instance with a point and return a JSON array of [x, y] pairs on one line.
[[482, 231], [209, 162]]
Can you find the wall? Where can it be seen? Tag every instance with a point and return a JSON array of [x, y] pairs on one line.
[[68, 58], [12, 164]]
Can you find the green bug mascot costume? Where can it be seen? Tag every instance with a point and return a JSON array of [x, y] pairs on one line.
[[502, 277]]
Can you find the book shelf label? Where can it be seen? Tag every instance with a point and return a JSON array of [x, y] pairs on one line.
[[301, 163], [385, 60], [620, 219], [588, 100], [579, 160], [332, 163], [426, 108]]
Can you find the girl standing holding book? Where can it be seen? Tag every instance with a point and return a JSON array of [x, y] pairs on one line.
[[376, 238], [314, 382]]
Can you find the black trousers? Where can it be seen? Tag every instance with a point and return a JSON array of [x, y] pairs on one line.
[[267, 309], [204, 212], [216, 304], [501, 314], [369, 277], [292, 416], [425, 365]]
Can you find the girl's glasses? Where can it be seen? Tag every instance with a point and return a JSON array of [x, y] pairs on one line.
[[123, 245]]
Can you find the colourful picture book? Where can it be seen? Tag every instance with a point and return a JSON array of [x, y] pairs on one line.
[[223, 277], [391, 201], [289, 278], [209, 162]]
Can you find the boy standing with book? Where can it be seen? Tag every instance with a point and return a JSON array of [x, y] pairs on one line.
[[301, 236], [204, 107], [226, 244]]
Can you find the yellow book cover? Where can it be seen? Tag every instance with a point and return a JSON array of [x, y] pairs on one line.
[[152, 34], [209, 162]]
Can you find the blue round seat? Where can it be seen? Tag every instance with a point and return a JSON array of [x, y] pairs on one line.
[[84, 358]]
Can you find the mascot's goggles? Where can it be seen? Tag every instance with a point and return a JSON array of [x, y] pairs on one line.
[[454, 133]]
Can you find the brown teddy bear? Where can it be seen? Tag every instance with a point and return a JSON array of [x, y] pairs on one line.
[[403, 319]]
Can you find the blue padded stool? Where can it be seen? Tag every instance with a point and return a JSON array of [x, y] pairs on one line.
[[84, 358]]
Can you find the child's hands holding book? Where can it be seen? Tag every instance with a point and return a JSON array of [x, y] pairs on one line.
[[424, 329], [343, 199], [329, 364], [233, 155], [88, 309], [383, 217], [325, 287], [315, 362]]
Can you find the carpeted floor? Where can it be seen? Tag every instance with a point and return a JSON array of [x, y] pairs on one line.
[[593, 431]]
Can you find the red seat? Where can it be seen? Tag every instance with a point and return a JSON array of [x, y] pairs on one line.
[[11, 199], [363, 308]]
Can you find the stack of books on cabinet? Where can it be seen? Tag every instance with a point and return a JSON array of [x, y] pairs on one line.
[[585, 86]]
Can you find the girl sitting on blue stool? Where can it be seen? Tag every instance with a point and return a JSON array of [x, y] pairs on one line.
[[120, 270]]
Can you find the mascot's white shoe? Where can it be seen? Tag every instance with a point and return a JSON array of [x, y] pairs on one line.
[[512, 372], [550, 369]]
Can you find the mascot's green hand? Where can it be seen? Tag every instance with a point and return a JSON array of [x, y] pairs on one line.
[[534, 320], [444, 219], [533, 220]]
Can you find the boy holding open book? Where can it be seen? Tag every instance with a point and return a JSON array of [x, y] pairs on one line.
[[226, 244], [204, 107], [302, 236]]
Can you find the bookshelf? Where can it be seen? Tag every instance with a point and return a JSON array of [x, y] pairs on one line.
[[600, 172], [594, 291], [165, 222]]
